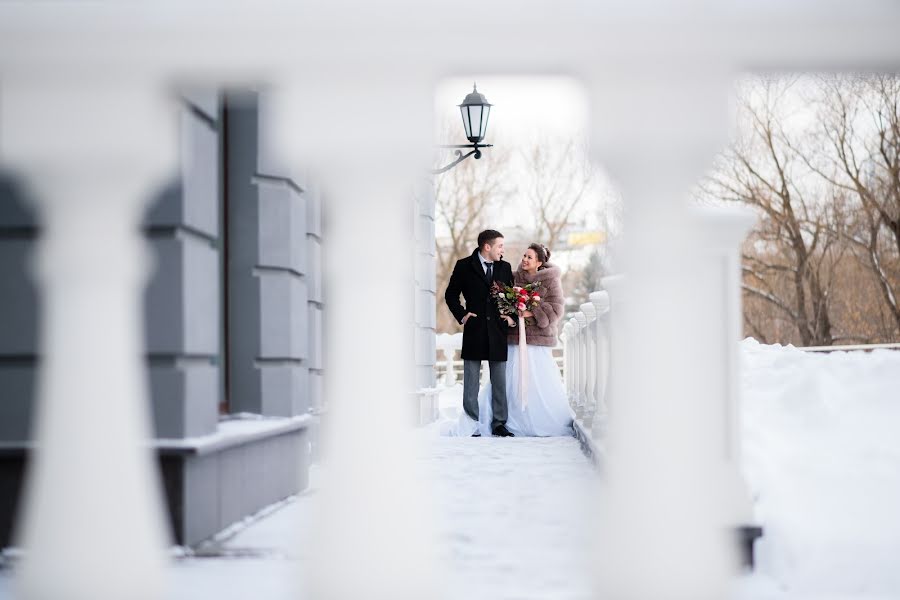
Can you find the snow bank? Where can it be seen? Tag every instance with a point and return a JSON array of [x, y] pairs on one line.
[[821, 442]]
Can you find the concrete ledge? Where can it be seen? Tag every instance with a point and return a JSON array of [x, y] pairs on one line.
[[209, 481], [234, 431], [589, 445]]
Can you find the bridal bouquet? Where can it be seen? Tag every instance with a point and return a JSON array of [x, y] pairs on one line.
[[512, 298]]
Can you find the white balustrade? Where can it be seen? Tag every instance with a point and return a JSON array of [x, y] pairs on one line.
[[575, 362], [600, 301], [590, 360], [92, 152], [566, 339], [581, 390]]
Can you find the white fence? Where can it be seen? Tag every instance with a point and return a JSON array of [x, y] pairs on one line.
[[448, 363]]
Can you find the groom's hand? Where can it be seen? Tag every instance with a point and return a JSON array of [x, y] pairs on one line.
[[466, 318]]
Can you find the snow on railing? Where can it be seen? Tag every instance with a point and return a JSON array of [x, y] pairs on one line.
[[850, 348]]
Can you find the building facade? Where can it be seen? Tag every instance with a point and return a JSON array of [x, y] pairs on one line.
[[233, 317]]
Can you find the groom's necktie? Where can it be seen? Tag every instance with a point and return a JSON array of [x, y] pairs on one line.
[[489, 275]]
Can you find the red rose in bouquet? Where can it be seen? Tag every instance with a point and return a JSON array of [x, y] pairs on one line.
[[511, 299]]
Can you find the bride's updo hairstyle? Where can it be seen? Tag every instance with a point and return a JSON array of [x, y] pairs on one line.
[[543, 255]]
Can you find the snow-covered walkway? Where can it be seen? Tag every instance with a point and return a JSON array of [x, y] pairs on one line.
[[821, 457]]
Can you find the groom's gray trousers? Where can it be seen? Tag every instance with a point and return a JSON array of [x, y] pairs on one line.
[[471, 383]]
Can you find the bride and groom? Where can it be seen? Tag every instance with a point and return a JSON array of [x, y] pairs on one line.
[[534, 404]]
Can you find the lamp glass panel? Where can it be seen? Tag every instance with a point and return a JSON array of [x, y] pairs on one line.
[[464, 110]]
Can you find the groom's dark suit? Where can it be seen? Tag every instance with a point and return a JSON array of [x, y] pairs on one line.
[[484, 335]]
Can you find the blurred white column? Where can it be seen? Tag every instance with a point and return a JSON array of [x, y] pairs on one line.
[[374, 536], [664, 535], [590, 361], [93, 153], [719, 234]]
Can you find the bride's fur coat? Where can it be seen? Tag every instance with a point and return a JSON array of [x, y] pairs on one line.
[[548, 312]]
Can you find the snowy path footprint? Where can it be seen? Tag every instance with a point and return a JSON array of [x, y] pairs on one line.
[[513, 516]]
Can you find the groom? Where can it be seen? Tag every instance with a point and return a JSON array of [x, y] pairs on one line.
[[484, 331]]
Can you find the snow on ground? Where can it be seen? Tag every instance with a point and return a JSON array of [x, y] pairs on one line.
[[513, 516], [821, 456]]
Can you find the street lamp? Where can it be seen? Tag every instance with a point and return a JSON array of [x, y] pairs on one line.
[[475, 110]]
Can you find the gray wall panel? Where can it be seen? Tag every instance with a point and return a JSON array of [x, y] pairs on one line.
[[164, 298], [203, 99], [167, 390], [200, 172], [315, 337], [313, 211], [282, 226], [18, 298], [201, 303], [285, 388], [17, 389], [282, 323], [314, 269], [15, 209], [201, 413], [201, 498]]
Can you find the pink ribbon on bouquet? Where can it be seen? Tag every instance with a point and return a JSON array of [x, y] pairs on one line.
[[523, 365]]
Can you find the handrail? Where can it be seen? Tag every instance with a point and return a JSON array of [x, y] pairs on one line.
[[850, 348]]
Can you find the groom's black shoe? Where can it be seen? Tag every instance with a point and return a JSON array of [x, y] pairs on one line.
[[502, 431], [476, 434]]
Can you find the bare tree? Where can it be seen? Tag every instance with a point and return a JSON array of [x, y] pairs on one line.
[[790, 262], [558, 177], [860, 156], [465, 198]]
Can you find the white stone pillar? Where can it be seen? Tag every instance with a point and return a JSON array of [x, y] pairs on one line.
[[581, 319], [575, 362], [92, 151], [384, 549], [590, 361], [567, 370], [449, 372], [664, 528], [719, 233], [600, 300]]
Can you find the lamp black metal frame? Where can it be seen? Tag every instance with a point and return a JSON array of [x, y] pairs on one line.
[[460, 156], [474, 105]]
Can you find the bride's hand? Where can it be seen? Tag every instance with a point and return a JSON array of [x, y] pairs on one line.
[[526, 313]]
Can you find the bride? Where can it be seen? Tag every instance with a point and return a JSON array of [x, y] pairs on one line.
[[545, 410]]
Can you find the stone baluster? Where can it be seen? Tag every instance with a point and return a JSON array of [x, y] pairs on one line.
[[564, 337], [92, 152], [719, 234], [590, 361], [600, 300], [575, 363], [615, 290], [581, 387], [449, 371]]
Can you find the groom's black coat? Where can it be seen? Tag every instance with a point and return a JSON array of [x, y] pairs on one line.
[[484, 336]]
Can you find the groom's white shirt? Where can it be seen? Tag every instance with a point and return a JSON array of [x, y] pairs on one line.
[[484, 263]]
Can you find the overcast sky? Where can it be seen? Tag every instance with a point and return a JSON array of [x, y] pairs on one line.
[[522, 105]]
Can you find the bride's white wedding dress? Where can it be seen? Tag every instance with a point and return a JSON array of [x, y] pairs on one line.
[[547, 412]]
